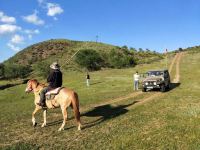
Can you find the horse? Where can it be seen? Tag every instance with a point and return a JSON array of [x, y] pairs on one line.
[[65, 98]]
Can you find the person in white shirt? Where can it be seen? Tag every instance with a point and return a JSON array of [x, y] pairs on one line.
[[136, 77]]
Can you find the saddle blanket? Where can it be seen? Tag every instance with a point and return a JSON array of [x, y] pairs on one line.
[[52, 93]]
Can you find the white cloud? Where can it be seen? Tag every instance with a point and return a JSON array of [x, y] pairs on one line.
[[54, 9], [30, 36], [8, 28], [34, 19], [17, 39], [41, 1], [13, 47], [6, 19], [31, 32], [36, 31]]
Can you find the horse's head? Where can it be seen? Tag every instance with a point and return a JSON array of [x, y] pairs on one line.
[[31, 85]]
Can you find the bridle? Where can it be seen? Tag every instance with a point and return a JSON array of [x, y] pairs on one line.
[[30, 89]]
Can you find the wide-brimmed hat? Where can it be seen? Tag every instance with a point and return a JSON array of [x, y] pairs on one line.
[[55, 66]]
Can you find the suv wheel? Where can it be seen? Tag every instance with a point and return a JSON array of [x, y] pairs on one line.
[[162, 88], [169, 86], [144, 89]]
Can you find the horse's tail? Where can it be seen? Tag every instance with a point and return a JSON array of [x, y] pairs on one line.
[[75, 105]]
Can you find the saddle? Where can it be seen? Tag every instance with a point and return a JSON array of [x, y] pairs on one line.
[[52, 93]]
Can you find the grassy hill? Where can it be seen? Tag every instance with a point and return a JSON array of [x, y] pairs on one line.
[[61, 49], [54, 49], [44, 53]]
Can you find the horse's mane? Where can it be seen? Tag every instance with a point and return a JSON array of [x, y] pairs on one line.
[[37, 83]]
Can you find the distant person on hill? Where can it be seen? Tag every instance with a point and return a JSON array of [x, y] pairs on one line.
[[88, 79], [136, 78], [54, 80]]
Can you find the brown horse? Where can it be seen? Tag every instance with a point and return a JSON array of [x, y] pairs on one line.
[[63, 99]]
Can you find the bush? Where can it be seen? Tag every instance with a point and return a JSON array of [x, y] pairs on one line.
[[89, 59], [118, 59], [16, 71], [43, 69]]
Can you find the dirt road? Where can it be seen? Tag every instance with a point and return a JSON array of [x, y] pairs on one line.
[[176, 60]]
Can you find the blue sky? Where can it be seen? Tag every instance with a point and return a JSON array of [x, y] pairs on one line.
[[152, 24]]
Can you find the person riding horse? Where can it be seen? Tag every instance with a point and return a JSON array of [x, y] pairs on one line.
[[54, 80]]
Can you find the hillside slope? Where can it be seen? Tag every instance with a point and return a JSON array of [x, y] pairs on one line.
[[35, 59], [62, 49]]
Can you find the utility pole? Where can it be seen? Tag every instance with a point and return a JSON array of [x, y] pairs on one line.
[[166, 58], [97, 38]]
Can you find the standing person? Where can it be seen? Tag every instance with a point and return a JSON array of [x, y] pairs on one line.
[[88, 79], [54, 80], [136, 80]]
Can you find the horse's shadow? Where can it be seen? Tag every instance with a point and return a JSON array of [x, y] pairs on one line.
[[105, 112]]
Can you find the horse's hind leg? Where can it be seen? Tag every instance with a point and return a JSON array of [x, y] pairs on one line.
[[64, 112], [78, 121], [45, 118], [77, 115]]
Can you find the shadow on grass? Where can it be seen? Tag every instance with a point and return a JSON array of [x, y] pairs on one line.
[[105, 112], [3, 87], [60, 122], [174, 85], [95, 83]]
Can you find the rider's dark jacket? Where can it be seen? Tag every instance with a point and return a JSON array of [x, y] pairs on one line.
[[55, 79]]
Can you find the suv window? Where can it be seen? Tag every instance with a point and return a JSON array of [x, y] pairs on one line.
[[155, 73]]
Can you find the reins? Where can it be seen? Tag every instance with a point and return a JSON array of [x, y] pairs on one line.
[[36, 87]]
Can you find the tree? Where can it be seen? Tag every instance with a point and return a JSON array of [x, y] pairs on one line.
[[148, 50], [133, 49], [1, 70], [125, 47], [16, 71], [141, 50], [89, 59], [180, 49]]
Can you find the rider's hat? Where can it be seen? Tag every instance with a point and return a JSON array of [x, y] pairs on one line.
[[55, 66]]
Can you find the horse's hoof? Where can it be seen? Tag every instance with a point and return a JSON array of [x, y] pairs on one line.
[[60, 129], [35, 124], [43, 125]]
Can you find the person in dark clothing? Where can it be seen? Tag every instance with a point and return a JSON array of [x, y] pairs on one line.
[[88, 79], [54, 80]]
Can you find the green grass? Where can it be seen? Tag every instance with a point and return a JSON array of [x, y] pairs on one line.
[[168, 122]]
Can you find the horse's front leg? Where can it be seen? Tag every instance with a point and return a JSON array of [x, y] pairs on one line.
[[33, 116], [45, 118]]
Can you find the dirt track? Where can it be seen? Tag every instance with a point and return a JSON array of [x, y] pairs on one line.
[[176, 60], [177, 76]]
